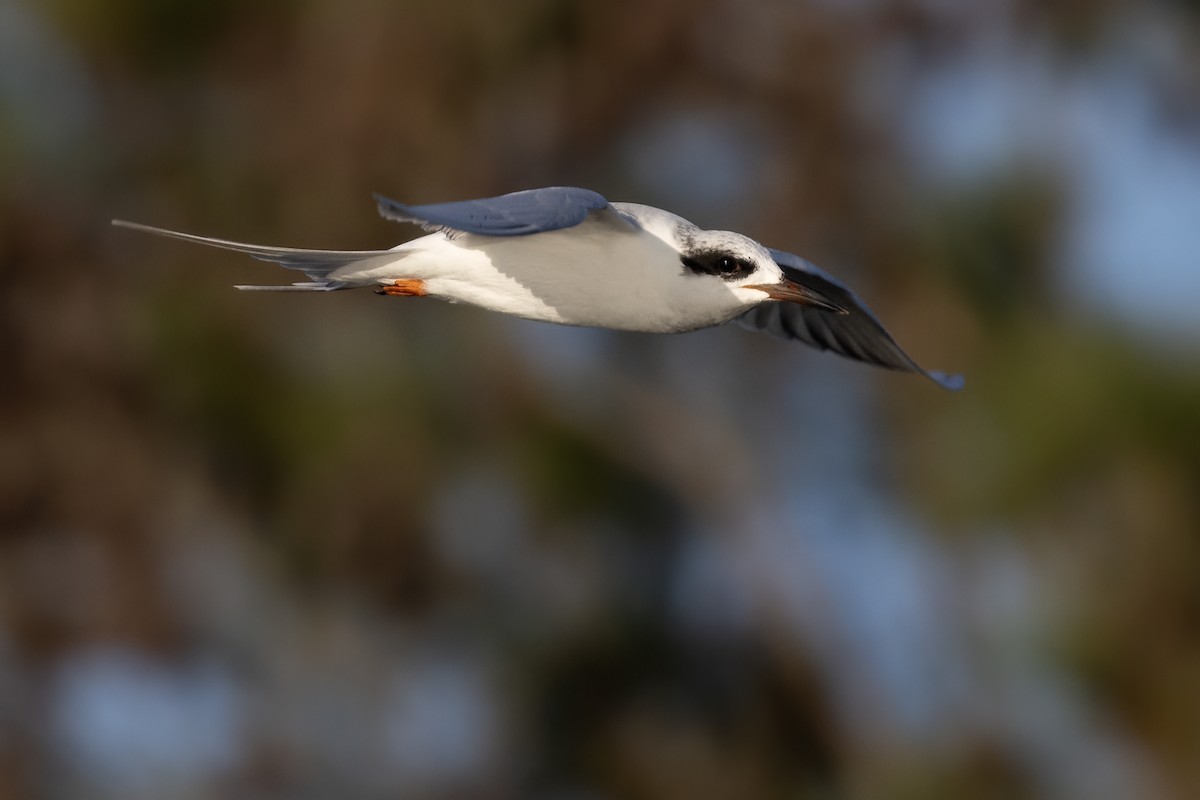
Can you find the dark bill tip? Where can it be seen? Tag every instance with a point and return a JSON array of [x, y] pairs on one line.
[[792, 292]]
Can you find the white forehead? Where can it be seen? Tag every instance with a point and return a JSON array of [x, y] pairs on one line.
[[735, 244], [688, 238]]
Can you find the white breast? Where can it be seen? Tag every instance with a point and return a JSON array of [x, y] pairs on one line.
[[592, 274]]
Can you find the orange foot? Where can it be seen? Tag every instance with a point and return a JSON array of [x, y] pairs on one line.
[[404, 287]]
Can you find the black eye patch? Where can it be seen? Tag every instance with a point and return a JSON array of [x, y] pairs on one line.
[[720, 264]]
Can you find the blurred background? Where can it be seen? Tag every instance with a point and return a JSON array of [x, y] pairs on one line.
[[269, 546]]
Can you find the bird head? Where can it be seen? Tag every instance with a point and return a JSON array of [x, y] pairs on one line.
[[747, 270]]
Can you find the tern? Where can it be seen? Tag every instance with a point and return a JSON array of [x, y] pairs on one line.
[[569, 256]]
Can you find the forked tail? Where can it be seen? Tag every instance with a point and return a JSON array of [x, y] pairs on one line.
[[316, 264]]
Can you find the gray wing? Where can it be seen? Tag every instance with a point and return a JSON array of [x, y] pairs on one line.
[[516, 214], [316, 264], [856, 334]]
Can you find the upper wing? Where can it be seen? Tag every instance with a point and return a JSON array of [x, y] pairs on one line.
[[316, 264], [855, 334], [516, 214]]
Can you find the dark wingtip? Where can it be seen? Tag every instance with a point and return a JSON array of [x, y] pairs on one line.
[[953, 382], [135, 226]]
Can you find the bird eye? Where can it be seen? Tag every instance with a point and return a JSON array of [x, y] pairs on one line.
[[729, 266], [723, 266]]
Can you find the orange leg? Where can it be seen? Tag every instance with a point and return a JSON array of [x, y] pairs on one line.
[[404, 287]]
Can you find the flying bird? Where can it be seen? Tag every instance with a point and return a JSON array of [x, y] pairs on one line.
[[569, 256]]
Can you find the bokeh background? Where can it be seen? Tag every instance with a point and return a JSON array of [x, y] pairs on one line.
[[269, 546]]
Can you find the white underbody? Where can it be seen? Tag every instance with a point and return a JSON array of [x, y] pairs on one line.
[[604, 272]]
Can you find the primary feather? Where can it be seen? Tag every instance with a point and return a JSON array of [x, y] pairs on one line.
[[316, 264], [856, 333]]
